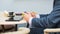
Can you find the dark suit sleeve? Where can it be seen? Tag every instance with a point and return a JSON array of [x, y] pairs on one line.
[[51, 20], [43, 15]]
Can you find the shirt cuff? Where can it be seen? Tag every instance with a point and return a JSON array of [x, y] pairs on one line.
[[37, 16], [30, 22]]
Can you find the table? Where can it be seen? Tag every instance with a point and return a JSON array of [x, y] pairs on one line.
[[3, 22], [46, 31], [11, 22]]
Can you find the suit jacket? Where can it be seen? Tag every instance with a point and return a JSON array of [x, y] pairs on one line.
[[49, 21]]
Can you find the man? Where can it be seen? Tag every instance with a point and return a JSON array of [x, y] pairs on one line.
[[47, 21]]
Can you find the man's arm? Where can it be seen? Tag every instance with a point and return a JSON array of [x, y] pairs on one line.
[[51, 20], [37, 16]]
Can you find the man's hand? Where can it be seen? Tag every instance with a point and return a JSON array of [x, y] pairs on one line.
[[27, 16], [33, 14]]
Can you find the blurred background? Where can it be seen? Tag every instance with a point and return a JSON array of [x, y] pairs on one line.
[[39, 6]]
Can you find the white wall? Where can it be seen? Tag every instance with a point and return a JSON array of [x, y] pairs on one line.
[[40, 6]]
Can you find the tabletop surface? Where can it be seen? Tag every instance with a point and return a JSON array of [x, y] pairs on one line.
[[3, 22], [52, 30], [12, 22]]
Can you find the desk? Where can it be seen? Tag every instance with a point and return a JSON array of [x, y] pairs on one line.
[[11, 22], [47, 31], [3, 22]]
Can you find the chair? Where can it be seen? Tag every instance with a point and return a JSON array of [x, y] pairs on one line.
[[47, 31], [1, 28], [6, 28]]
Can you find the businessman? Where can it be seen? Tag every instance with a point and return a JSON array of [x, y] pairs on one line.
[[51, 20]]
